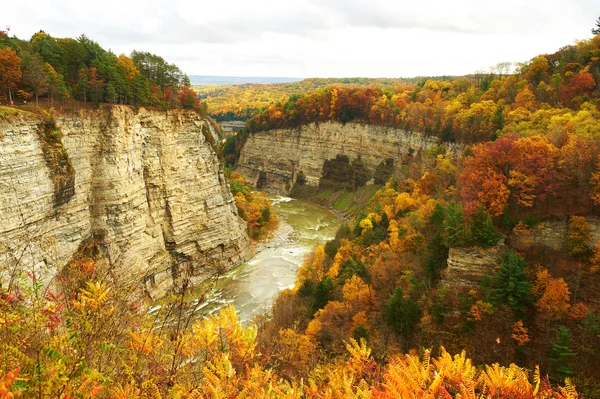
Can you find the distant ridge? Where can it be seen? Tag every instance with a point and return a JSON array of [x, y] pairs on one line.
[[236, 80]]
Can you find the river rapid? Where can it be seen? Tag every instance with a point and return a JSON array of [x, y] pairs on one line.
[[253, 286]]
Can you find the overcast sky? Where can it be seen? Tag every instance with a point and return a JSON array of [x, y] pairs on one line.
[[316, 38]]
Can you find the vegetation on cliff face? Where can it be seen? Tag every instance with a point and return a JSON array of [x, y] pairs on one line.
[[61, 69], [62, 173], [253, 207]]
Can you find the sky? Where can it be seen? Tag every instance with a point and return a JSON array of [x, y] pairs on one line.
[[316, 38]]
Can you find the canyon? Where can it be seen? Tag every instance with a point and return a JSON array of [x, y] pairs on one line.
[[281, 154], [145, 185]]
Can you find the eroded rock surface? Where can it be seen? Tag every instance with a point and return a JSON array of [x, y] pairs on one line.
[[146, 181], [283, 153]]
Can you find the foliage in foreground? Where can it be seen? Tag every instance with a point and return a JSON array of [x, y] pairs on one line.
[[83, 338]]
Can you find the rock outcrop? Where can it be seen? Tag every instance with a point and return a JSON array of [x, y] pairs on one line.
[[148, 182], [283, 153], [467, 266], [554, 234]]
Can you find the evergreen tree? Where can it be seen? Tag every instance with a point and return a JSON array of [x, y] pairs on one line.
[[322, 293], [483, 231], [111, 94], [511, 286], [561, 354], [454, 225], [401, 314], [596, 30]]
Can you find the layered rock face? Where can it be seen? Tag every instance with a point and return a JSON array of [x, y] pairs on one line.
[[282, 153], [555, 234], [147, 182], [468, 266]]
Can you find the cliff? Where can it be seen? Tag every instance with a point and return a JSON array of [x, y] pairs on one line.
[[147, 183], [467, 266], [283, 153]]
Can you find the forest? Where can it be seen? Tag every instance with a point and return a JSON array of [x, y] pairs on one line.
[[530, 158], [370, 315], [65, 71], [243, 101]]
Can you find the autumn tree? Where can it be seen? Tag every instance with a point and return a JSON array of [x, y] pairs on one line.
[[555, 295], [579, 84], [10, 71], [579, 236]]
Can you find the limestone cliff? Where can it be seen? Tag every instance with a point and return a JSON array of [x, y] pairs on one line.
[[148, 182], [281, 154], [468, 266]]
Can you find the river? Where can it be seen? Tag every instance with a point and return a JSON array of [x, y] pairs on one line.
[[253, 286]]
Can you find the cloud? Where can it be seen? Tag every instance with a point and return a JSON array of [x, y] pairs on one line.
[[316, 37]]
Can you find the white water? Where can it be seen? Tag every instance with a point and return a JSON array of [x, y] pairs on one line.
[[253, 286]]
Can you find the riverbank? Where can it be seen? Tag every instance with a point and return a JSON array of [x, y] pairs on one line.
[[344, 203], [253, 286]]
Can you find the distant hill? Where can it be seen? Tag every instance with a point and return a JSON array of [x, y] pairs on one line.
[[198, 80]]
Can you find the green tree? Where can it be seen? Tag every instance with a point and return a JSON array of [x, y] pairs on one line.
[[511, 286], [56, 85], [454, 225], [322, 293], [111, 94], [482, 229], [596, 30], [561, 354], [35, 75], [401, 314], [83, 84], [51, 52]]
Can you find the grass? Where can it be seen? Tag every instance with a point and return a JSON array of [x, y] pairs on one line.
[[5, 111], [346, 202]]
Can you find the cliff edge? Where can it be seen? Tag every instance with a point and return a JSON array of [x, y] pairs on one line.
[[148, 183]]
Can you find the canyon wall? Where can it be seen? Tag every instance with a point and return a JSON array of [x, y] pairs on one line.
[[282, 153], [147, 184], [467, 266]]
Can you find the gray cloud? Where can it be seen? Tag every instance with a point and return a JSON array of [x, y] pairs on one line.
[[316, 37]]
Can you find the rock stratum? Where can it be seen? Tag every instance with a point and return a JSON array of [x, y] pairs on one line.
[[148, 184], [283, 153]]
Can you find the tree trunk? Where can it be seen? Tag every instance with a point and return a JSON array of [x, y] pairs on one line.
[[10, 97], [36, 99]]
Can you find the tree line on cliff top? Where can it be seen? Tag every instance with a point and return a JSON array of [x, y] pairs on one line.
[[59, 69], [551, 95]]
